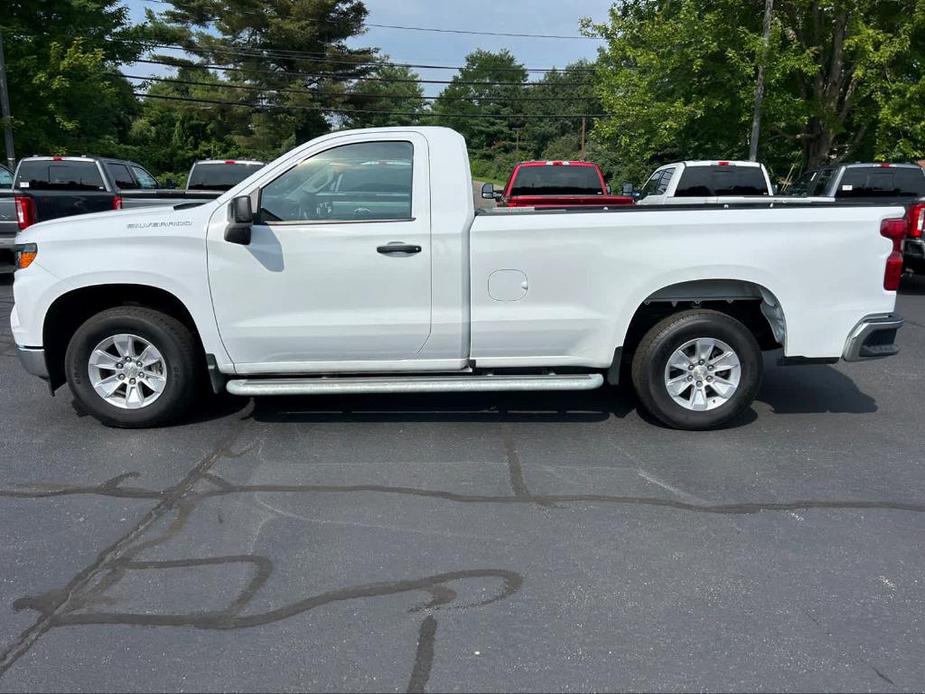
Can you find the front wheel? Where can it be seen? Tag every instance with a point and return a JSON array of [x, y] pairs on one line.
[[697, 369], [132, 367]]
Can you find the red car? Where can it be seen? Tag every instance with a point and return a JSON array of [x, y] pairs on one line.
[[556, 184]]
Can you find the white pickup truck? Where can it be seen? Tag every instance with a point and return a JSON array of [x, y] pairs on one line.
[[356, 264], [706, 182]]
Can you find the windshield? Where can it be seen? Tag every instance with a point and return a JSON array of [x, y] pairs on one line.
[[557, 180], [6, 178], [219, 176], [50, 174]]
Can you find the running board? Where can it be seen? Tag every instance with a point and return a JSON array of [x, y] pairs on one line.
[[411, 384]]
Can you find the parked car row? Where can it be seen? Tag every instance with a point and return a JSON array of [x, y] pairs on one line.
[[45, 188], [552, 184]]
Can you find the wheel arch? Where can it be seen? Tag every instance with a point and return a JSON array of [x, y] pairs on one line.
[[749, 302], [71, 309]]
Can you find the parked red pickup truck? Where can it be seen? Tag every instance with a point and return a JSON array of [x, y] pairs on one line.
[[556, 184]]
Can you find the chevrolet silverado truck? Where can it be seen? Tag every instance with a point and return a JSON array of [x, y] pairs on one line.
[[356, 263], [540, 184]]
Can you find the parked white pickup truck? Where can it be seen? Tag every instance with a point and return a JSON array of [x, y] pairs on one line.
[[356, 264], [706, 182]]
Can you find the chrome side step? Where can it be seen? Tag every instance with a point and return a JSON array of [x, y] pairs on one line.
[[411, 384]]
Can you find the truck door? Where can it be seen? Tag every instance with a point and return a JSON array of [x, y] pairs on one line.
[[338, 270]]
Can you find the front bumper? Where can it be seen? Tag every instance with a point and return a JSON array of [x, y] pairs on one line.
[[874, 337], [33, 360]]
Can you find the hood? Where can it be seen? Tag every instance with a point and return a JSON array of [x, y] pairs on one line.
[[113, 224], [95, 216]]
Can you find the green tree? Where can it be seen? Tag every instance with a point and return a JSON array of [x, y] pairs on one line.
[[843, 77], [571, 90], [394, 92], [60, 58], [484, 101], [291, 53], [169, 134]]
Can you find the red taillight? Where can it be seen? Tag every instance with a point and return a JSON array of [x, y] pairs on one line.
[[895, 230], [25, 212], [230, 161], [56, 158], [722, 163], [117, 202], [885, 165], [916, 219]]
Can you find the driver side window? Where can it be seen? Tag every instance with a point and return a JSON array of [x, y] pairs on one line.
[[367, 181]]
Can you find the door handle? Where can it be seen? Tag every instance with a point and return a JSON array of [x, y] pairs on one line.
[[399, 247]]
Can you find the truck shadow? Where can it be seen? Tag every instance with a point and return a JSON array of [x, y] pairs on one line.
[[811, 390], [790, 390], [594, 406], [587, 407]]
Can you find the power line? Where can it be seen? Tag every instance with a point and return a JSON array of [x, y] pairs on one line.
[[486, 33], [439, 30], [324, 57], [284, 90], [359, 78], [384, 95], [568, 116]]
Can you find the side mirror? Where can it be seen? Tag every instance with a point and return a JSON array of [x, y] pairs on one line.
[[241, 216], [170, 184], [488, 191], [241, 211], [628, 188]]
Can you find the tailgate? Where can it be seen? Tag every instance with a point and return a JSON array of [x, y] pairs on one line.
[[50, 204], [569, 201]]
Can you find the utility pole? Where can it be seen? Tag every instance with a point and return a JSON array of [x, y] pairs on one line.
[[5, 110], [759, 88], [582, 138]]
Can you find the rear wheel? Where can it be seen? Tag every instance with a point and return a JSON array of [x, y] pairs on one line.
[[132, 367], [697, 369]]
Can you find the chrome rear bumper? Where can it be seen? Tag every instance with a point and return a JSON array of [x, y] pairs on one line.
[[874, 337]]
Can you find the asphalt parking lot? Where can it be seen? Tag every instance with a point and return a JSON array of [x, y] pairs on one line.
[[528, 543]]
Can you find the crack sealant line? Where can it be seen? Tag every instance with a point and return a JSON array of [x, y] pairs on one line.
[[88, 575]]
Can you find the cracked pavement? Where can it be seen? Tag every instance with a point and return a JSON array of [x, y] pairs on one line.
[[531, 542]]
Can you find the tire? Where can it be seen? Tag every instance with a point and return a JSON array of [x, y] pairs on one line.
[[175, 374], [711, 396]]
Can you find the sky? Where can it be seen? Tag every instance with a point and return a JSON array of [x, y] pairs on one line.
[[509, 16]]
